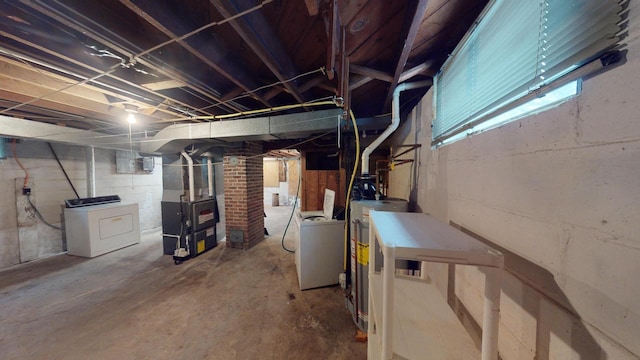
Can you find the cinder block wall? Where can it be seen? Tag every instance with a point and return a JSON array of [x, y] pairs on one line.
[[243, 189], [24, 237], [559, 194]]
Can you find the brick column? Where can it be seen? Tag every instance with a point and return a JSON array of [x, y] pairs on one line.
[[243, 193]]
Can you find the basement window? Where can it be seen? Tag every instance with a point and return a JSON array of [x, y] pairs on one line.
[[520, 58]]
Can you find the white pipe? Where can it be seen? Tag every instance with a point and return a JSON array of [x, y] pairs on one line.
[[491, 314], [91, 171], [395, 121], [192, 196], [210, 176]]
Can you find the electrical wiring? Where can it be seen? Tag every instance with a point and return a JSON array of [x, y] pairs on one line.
[[353, 176], [251, 92], [25, 184], [40, 215]]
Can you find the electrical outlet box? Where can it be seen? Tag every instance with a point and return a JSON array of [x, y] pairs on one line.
[[26, 191]]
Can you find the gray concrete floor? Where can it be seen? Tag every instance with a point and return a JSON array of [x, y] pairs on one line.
[[135, 303]]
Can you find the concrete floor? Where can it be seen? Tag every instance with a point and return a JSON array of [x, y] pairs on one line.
[[136, 304]]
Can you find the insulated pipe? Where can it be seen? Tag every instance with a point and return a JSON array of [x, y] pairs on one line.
[[395, 121], [192, 196], [210, 176]]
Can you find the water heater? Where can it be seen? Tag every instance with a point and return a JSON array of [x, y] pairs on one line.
[[357, 301]]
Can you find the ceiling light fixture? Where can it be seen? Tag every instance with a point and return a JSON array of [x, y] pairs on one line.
[[132, 110]]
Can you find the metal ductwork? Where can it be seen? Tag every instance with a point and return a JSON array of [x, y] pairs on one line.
[[254, 129], [174, 138]]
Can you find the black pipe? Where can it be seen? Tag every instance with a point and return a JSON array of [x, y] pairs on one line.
[[63, 170]]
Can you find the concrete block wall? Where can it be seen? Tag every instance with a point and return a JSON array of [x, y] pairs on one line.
[[243, 190], [558, 193], [143, 189], [23, 237]]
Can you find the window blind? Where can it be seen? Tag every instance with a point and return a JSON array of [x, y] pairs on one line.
[[516, 48]]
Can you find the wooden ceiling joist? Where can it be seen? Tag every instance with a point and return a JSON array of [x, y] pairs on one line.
[[372, 73], [255, 31], [312, 6], [164, 20], [416, 70], [407, 45]]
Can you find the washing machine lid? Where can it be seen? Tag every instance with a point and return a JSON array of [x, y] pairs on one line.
[[327, 207]]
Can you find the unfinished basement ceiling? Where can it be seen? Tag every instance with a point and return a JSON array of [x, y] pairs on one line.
[[82, 64]]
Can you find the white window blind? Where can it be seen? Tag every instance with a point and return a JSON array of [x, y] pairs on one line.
[[517, 48]]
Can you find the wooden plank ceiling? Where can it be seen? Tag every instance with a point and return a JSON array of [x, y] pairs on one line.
[[82, 64]]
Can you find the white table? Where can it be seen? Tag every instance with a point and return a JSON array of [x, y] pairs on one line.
[[423, 324]]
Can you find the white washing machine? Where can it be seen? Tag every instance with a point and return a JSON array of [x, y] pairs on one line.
[[319, 246]]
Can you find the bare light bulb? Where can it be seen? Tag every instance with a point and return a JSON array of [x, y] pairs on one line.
[[131, 118]]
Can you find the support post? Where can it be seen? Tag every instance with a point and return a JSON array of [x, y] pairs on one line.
[[388, 292], [91, 171], [491, 316]]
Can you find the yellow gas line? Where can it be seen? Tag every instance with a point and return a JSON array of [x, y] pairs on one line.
[[353, 176]]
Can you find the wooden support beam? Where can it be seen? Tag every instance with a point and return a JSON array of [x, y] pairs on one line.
[[416, 70], [333, 36], [312, 6], [372, 73], [254, 29], [113, 91], [311, 83], [58, 12], [413, 27], [160, 17], [362, 80], [274, 91], [232, 94]]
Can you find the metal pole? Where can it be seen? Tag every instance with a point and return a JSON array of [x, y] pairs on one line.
[[91, 171]]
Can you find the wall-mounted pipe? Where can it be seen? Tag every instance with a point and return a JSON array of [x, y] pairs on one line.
[[91, 171], [210, 176], [395, 121], [3, 148], [192, 195]]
